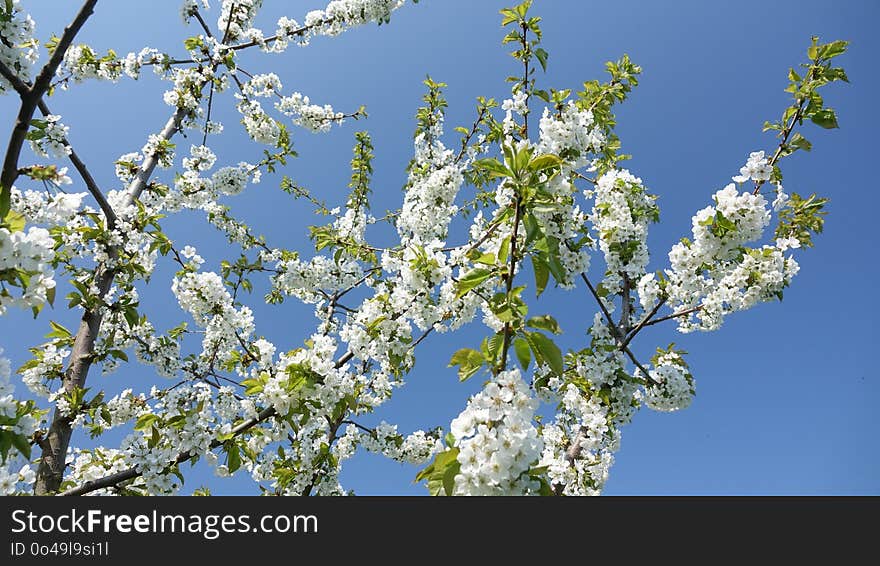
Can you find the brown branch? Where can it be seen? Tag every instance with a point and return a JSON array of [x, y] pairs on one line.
[[87, 178], [615, 331], [22, 88], [786, 132], [470, 134], [674, 315], [643, 323], [625, 306], [131, 473], [51, 468], [30, 99]]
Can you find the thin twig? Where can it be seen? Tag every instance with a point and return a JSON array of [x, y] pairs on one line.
[[643, 323], [87, 178]]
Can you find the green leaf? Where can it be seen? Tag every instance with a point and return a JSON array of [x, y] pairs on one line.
[[542, 273], [825, 118], [449, 477], [5, 199], [472, 280], [544, 162], [833, 49], [493, 346], [542, 55], [834, 74], [14, 221], [547, 350], [145, 421], [523, 353], [493, 167], [438, 473], [800, 142], [233, 460], [544, 322], [58, 331], [469, 362]]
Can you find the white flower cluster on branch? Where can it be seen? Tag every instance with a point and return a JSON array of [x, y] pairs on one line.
[[546, 210]]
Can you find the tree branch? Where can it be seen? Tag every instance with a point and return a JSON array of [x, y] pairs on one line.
[[29, 102], [131, 473], [22, 88], [612, 326], [646, 321], [87, 178], [678, 314]]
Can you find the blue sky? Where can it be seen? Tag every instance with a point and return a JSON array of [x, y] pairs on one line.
[[785, 392]]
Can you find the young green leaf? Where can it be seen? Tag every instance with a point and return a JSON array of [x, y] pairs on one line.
[[523, 353]]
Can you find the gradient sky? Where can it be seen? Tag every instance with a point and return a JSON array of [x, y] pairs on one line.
[[785, 392]]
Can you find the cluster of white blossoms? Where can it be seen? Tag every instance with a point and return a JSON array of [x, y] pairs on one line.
[[237, 17], [747, 211], [497, 440], [90, 465], [429, 204], [206, 298], [340, 15], [46, 366], [649, 291], [261, 127], [760, 276], [131, 242], [232, 180], [30, 252], [162, 352], [286, 29], [422, 266], [188, 84], [40, 207], [190, 417], [415, 448], [8, 404], [622, 211], [51, 139], [263, 86], [715, 273], [757, 168], [579, 445], [518, 104], [14, 481], [124, 407], [312, 281], [189, 8], [307, 115], [164, 152], [670, 386], [16, 474], [572, 135], [19, 49], [82, 63], [133, 62], [201, 158]]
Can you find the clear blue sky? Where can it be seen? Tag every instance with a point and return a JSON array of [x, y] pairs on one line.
[[785, 392]]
